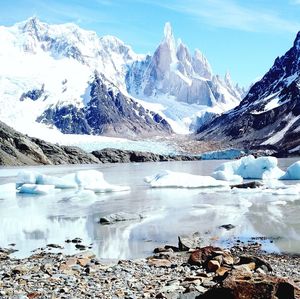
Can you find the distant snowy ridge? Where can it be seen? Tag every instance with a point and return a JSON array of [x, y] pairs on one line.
[[52, 66], [269, 115]]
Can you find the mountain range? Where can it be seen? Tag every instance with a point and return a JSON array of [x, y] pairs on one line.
[[63, 78], [67, 79], [269, 115]]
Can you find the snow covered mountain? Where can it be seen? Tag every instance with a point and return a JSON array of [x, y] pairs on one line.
[[269, 115], [47, 80], [108, 112], [173, 72]]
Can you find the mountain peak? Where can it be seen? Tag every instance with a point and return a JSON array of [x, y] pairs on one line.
[[227, 77], [297, 41], [168, 32], [33, 26]]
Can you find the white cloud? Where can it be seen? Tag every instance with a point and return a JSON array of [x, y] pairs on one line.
[[231, 14]]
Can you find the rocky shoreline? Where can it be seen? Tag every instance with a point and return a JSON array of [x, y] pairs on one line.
[[172, 272]]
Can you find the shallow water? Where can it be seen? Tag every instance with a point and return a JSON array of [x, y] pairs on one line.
[[34, 221]]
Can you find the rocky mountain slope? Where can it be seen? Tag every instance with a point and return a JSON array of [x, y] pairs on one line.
[[47, 76], [19, 149], [269, 115], [108, 112]]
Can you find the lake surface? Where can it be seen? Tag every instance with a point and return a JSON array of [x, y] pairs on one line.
[[33, 221]]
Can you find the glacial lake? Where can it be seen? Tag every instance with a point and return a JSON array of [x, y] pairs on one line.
[[33, 221]]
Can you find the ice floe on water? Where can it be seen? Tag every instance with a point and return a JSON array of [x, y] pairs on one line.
[[60, 183], [293, 172], [36, 189], [170, 179], [249, 168], [93, 180], [88, 180]]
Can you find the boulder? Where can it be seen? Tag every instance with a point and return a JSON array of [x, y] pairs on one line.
[[121, 216], [187, 242], [250, 185]]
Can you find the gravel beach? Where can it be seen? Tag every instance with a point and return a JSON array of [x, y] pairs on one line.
[[172, 272]]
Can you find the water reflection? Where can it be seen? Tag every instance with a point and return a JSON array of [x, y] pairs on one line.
[[35, 221]]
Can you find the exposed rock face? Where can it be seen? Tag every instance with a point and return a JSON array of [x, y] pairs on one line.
[[18, 149], [108, 112], [269, 115], [125, 156]]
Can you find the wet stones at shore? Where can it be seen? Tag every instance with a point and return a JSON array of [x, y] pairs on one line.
[[220, 273], [121, 216]]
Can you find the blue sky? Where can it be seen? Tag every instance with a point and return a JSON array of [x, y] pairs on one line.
[[241, 36]]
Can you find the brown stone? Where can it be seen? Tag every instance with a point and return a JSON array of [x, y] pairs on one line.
[[85, 254], [263, 286], [71, 261], [159, 262], [223, 270], [237, 286], [83, 262], [228, 259], [245, 259], [33, 295], [213, 265], [203, 255]]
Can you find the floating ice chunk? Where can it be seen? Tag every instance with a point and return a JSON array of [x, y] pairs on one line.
[[93, 180], [36, 189], [26, 177], [250, 168], [182, 180], [227, 176], [62, 183], [89, 177], [293, 172]]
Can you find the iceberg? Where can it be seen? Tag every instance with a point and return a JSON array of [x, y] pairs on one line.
[[93, 180], [293, 172], [249, 167], [172, 179], [61, 183], [32, 177], [36, 189], [26, 177]]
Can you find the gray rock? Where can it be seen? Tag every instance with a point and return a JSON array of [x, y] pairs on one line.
[[186, 242], [121, 216], [251, 185]]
